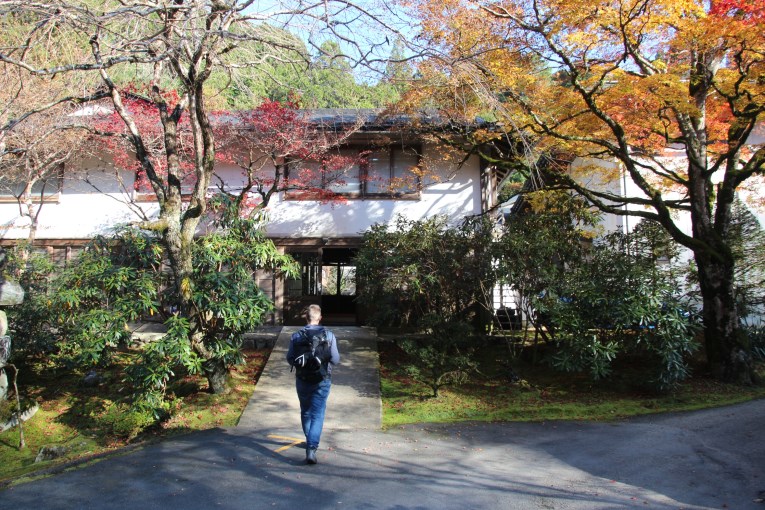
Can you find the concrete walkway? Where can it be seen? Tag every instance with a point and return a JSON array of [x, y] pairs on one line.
[[354, 400], [710, 459]]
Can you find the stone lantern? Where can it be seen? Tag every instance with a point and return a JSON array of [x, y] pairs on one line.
[[11, 294]]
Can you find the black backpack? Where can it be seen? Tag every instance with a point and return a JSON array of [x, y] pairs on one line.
[[312, 354]]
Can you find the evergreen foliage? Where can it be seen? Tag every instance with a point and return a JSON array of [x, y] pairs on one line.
[[324, 80], [28, 325], [435, 281], [93, 304], [618, 302], [748, 245], [422, 268], [444, 356], [594, 302], [538, 245]]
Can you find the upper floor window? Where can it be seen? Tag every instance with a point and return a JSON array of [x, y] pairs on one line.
[[353, 172], [390, 172], [44, 189]]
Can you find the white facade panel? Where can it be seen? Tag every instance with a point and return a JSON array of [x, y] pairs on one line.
[[456, 196], [93, 201]]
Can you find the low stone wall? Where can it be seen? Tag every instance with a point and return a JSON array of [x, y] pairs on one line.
[[262, 338]]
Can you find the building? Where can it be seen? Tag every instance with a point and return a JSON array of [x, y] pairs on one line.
[[92, 196]]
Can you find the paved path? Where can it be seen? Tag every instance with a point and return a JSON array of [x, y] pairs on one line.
[[706, 460], [354, 400]]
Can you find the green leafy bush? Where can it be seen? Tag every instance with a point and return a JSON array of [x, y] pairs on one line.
[[444, 356], [126, 421], [119, 281], [435, 280], [756, 336], [539, 245], [616, 301], [419, 268], [114, 282], [29, 323], [595, 300]]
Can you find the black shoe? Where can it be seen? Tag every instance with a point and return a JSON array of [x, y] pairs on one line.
[[310, 456]]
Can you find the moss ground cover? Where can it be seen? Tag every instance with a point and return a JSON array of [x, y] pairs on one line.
[[93, 421], [542, 394]]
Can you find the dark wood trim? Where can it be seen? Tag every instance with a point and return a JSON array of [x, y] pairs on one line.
[[305, 196], [42, 242], [317, 242]]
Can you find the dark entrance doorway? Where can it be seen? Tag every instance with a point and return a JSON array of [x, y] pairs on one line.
[[338, 284], [327, 277]]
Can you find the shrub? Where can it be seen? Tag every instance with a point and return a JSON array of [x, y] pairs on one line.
[[756, 335], [618, 301], [420, 268], [539, 245], [114, 281], [443, 356], [126, 421], [29, 322], [433, 279], [120, 280]]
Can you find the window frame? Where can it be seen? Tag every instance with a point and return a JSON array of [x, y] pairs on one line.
[[35, 196], [363, 176], [417, 149]]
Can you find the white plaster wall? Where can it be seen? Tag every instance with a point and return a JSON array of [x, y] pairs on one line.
[[91, 202], [683, 219], [602, 175], [83, 211], [457, 195]]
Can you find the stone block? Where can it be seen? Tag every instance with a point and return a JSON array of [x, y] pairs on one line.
[[11, 293]]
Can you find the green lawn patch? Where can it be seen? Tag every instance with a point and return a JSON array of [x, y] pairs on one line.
[[542, 394], [92, 422]]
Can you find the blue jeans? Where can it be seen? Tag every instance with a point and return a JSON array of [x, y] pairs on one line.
[[313, 403]]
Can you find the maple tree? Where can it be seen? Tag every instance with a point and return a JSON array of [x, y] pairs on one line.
[[278, 148], [172, 51], [665, 94], [113, 137]]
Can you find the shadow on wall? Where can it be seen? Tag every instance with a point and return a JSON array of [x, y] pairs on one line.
[[311, 219]]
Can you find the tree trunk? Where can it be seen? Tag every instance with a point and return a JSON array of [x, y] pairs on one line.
[[215, 369], [179, 244], [217, 375], [727, 347]]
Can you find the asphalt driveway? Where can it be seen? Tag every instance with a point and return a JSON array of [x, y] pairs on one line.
[[710, 459]]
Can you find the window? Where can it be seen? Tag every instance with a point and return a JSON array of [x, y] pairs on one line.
[[43, 190], [390, 171], [342, 172], [358, 173], [338, 280], [308, 283]]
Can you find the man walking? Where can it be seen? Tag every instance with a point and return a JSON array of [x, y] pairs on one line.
[[313, 352]]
